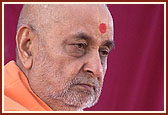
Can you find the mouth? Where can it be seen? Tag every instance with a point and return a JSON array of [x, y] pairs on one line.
[[87, 87]]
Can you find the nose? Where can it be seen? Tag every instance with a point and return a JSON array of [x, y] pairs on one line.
[[94, 67]]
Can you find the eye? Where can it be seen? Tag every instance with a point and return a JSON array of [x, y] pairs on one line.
[[104, 53], [81, 45], [76, 49]]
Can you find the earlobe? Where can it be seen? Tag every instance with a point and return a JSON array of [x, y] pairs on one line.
[[24, 40]]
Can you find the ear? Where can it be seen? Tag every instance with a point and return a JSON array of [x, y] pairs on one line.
[[24, 40]]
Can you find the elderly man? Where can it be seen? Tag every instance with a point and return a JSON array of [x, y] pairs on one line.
[[61, 58]]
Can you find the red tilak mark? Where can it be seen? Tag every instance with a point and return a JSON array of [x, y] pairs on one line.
[[102, 27]]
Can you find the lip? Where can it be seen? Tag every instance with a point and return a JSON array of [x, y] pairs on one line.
[[87, 86]]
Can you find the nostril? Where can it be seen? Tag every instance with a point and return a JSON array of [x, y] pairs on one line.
[[92, 74], [89, 71]]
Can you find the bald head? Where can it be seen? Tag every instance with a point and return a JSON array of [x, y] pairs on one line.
[[40, 16]]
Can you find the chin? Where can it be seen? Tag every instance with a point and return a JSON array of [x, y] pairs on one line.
[[79, 100]]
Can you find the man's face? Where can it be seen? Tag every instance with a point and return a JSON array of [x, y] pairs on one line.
[[70, 57]]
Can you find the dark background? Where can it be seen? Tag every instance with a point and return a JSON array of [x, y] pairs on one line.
[[135, 77]]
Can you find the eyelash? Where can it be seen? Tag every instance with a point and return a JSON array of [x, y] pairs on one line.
[[104, 53], [81, 45], [80, 49], [77, 49]]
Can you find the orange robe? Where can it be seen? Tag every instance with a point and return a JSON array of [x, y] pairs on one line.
[[18, 94]]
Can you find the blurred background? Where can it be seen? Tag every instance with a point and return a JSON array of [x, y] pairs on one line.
[[135, 77]]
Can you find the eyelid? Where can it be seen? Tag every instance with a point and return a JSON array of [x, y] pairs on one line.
[[107, 50], [105, 54], [80, 42], [76, 49]]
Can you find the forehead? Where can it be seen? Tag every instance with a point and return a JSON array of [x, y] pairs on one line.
[[84, 19], [88, 19]]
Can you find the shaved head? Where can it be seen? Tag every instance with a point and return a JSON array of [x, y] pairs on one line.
[[38, 16], [63, 49]]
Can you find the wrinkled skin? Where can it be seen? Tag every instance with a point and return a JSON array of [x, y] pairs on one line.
[[69, 57]]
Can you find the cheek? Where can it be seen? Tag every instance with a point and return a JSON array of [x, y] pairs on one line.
[[105, 69], [104, 66], [104, 72], [55, 72]]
